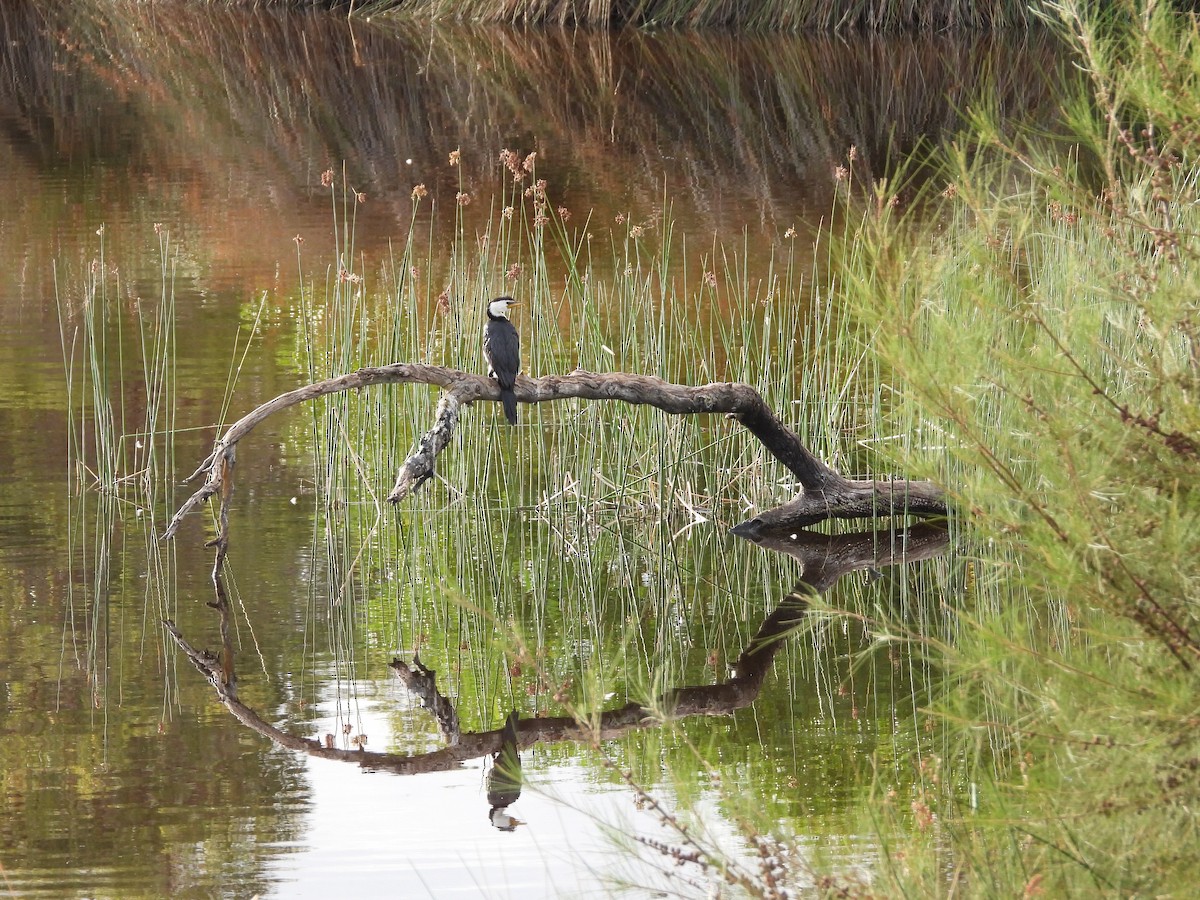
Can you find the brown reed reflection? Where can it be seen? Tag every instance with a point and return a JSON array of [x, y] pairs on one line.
[[749, 129]]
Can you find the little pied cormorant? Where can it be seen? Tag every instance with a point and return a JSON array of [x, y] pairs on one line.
[[502, 347], [504, 779]]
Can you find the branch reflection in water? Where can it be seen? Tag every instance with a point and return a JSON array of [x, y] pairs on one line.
[[825, 559]]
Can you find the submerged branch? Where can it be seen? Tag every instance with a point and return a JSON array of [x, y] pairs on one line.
[[825, 492], [827, 557]]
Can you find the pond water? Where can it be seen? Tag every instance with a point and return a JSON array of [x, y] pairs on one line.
[[167, 159]]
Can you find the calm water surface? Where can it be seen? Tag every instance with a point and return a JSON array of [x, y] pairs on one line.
[[121, 775]]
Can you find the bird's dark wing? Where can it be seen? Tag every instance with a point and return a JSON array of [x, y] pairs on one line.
[[504, 779], [502, 346]]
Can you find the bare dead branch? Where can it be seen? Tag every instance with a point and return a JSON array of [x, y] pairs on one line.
[[422, 682], [825, 492], [419, 466], [397, 373]]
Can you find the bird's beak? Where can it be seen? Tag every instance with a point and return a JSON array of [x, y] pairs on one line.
[[514, 302]]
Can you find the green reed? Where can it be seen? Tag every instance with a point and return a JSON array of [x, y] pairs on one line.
[[121, 458]]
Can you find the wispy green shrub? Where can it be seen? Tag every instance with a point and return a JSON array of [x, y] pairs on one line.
[[1044, 335]]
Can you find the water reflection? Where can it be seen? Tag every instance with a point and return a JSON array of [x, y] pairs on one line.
[[504, 779], [825, 559], [828, 557], [218, 122]]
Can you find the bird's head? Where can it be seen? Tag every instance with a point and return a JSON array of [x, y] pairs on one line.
[[501, 819], [498, 308]]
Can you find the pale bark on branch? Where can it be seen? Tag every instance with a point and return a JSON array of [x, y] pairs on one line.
[[825, 493]]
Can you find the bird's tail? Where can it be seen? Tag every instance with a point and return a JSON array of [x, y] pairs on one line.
[[509, 399]]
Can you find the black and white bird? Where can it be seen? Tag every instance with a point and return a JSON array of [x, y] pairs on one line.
[[504, 779], [502, 347]]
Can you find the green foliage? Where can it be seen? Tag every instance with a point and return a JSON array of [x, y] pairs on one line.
[[1046, 340]]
